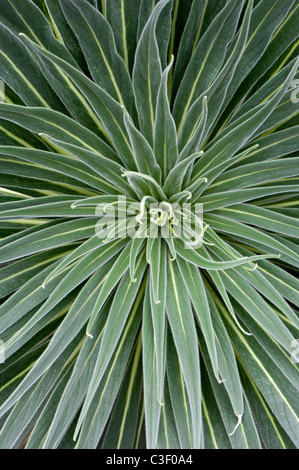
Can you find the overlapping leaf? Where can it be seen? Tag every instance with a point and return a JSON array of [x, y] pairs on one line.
[[119, 339]]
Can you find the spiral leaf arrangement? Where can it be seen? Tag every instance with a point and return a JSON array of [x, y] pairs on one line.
[[148, 224]]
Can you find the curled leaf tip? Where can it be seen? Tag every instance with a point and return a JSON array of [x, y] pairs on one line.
[[237, 425], [255, 267], [221, 381]]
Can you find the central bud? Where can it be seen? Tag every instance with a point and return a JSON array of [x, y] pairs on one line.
[[162, 214]]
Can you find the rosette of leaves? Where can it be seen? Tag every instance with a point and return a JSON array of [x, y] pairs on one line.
[[117, 341]]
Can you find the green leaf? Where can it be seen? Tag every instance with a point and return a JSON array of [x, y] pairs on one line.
[[206, 60], [123, 17], [143, 154], [230, 226], [255, 173], [216, 92], [82, 271], [151, 362], [272, 434], [14, 165], [56, 125], [175, 177], [96, 39], [49, 237], [24, 16], [147, 74], [215, 432], [181, 321], [230, 198], [115, 274], [195, 258], [195, 287], [124, 421], [18, 273], [244, 436], [283, 41], [75, 390], [226, 360], [188, 40], [115, 324], [65, 165], [271, 382], [195, 141], [62, 31], [165, 137], [106, 108], [41, 426], [22, 74], [60, 340], [158, 281], [104, 167], [233, 138], [96, 419], [281, 280], [168, 438], [262, 218], [266, 17], [179, 396], [255, 305], [25, 413]]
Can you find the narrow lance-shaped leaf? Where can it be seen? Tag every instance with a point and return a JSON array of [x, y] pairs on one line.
[[143, 153], [152, 405], [123, 18], [196, 290], [178, 395], [216, 92], [272, 383], [109, 170], [206, 60], [147, 74], [158, 311], [57, 125], [183, 330], [165, 136], [266, 18], [226, 359], [107, 391], [232, 139], [17, 65], [175, 177], [108, 110], [116, 321], [118, 270], [96, 39], [62, 164], [194, 257], [194, 142]]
